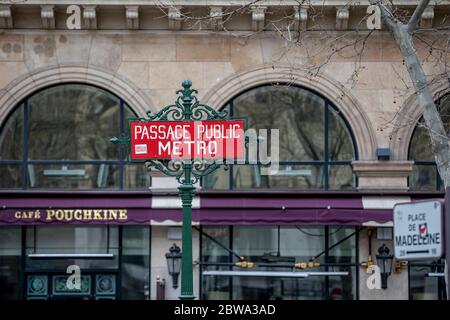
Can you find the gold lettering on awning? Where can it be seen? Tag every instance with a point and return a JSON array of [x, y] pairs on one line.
[[68, 215]]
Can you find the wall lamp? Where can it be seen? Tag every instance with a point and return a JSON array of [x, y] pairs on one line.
[[173, 258], [384, 262]]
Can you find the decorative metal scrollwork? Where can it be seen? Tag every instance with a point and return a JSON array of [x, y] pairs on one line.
[[171, 168]]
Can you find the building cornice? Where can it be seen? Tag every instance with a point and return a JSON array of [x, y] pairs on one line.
[[228, 3], [259, 13]]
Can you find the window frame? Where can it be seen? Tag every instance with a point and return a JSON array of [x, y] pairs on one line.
[[120, 162], [326, 164]]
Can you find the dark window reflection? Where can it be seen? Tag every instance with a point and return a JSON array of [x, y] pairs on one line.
[[135, 263], [426, 280], [11, 136], [73, 122], [10, 266]]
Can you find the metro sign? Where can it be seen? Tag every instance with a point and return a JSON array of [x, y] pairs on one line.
[[208, 139]]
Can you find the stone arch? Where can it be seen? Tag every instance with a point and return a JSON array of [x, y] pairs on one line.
[[331, 89], [408, 116], [25, 85]]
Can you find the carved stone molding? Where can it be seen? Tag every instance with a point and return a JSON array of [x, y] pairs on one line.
[[258, 17], [90, 17], [48, 16], [174, 16], [132, 15], [426, 20], [216, 17], [382, 175], [6, 21], [342, 16]]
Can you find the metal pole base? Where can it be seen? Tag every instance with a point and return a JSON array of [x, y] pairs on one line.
[[186, 297]]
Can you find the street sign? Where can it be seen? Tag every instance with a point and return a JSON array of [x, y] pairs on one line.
[[208, 139], [418, 230]]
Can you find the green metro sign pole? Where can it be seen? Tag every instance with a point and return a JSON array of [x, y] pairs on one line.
[[187, 171]]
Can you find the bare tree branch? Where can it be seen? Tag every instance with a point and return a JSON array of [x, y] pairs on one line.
[[414, 21]]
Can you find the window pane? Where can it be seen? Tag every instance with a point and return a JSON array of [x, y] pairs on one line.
[[215, 287], [340, 146], [136, 262], [72, 239], [218, 180], [297, 113], [343, 287], [69, 239], [422, 287], [10, 267], [420, 148], [73, 122], [443, 106], [274, 288], [302, 242], [295, 176], [341, 177], [252, 242], [211, 251], [423, 177], [136, 177], [345, 252], [127, 114], [11, 136], [73, 176], [11, 176]]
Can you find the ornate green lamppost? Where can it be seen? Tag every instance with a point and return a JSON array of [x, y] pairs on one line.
[[187, 171]]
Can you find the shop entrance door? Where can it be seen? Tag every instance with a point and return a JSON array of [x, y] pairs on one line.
[[54, 286]]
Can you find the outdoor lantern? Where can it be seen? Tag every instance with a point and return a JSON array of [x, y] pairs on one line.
[[384, 261], [174, 263]]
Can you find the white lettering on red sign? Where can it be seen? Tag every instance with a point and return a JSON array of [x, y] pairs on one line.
[[188, 139]]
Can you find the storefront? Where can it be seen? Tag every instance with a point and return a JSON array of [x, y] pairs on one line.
[[240, 213]]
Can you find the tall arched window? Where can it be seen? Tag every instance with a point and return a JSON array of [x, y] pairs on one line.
[[425, 175], [316, 146], [59, 138]]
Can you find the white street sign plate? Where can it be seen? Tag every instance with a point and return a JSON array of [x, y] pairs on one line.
[[418, 230]]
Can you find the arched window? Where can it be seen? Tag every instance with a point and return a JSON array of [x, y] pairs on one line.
[[59, 138], [316, 146], [425, 175]]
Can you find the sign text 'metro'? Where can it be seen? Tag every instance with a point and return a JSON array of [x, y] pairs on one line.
[[209, 139]]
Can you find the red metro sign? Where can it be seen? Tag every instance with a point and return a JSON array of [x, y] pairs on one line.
[[209, 139]]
